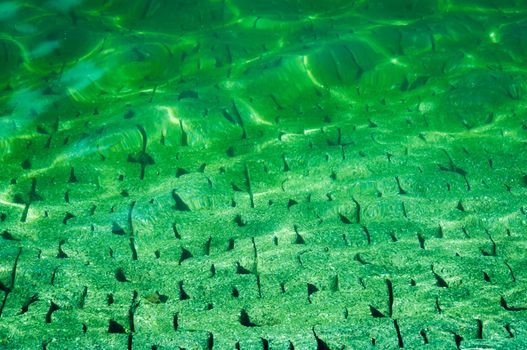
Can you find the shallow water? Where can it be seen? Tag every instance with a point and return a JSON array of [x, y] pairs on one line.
[[263, 174]]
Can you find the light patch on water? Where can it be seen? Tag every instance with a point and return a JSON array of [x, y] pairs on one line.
[[8, 9], [25, 28], [311, 131], [26, 106], [231, 84], [44, 48], [425, 107], [11, 204], [493, 37], [253, 114], [170, 112], [63, 5], [81, 75], [27, 102], [311, 76]]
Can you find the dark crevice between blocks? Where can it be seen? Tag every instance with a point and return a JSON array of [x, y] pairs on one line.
[[465, 232], [180, 204], [403, 208], [399, 335], [438, 306], [424, 336], [286, 164], [458, 339], [230, 152], [45, 344], [390, 297], [53, 276], [61, 254], [175, 230], [207, 246], [265, 344], [120, 275], [131, 312], [117, 229], [486, 277], [175, 321], [240, 270], [505, 305], [182, 294], [7, 289], [142, 158], [334, 284], [376, 313], [180, 172], [439, 280], [321, 345], [344, 219], [421, 240], [115, 327], [311, 289], [188, 94], [28, 302], [82, 298], [258, 284], [210, 341], [32, 196], [361, 282], [26, 164], [67, 217], [401, 190], [230, 244], [359, 258], [133, 248], [212, 270], [185, 254], [493, 251], [367, 233], [8, 236], [238, 220], [510, 271], [479, 334], [358, 210], [245, 319], [52, 308], [248, 183], [72, 178], [298, 238], [440, 233]]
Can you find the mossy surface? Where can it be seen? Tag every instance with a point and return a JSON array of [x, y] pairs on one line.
[[243, 174]]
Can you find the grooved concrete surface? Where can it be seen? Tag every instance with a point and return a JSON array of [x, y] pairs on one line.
[[240, 174]]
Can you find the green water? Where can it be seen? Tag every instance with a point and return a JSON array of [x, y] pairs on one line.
[[246, 174]]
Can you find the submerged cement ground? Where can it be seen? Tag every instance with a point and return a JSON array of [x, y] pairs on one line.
[[286, 174]]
